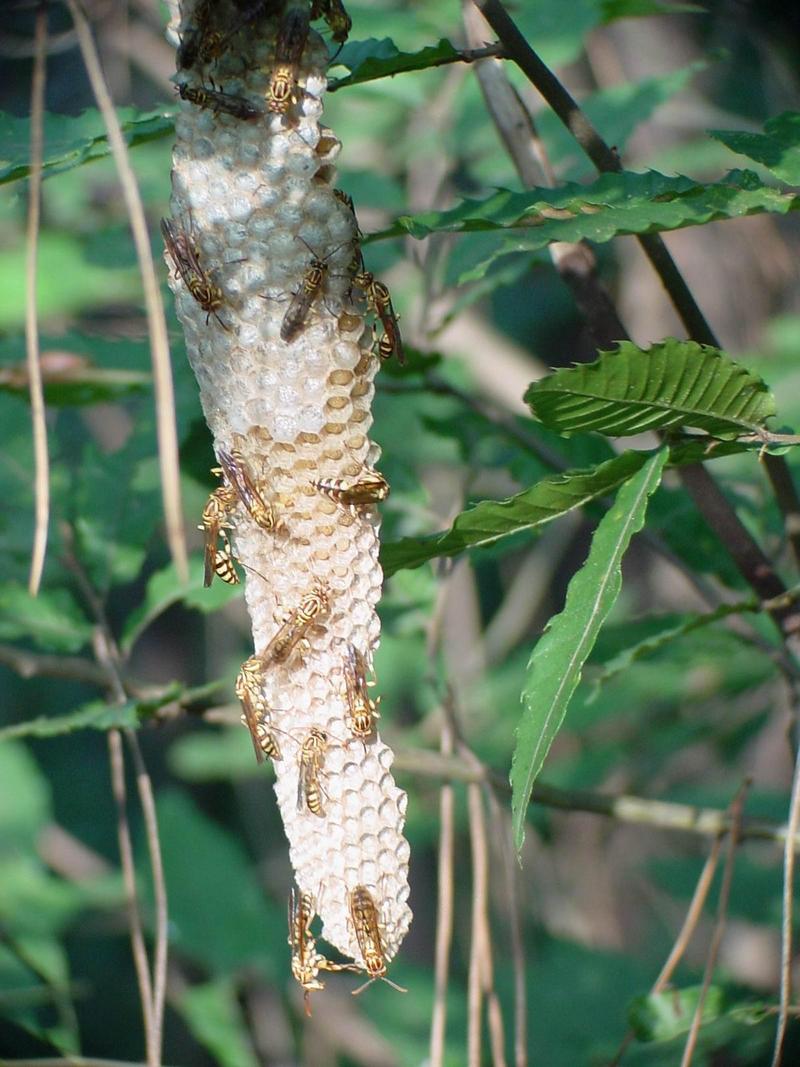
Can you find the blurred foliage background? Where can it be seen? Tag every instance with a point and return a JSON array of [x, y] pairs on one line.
[[600, 900]]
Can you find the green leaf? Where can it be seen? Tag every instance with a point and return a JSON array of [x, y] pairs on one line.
[[614, 204], [626, 9], [165, 589], [206, 923], [214, 1017], [71, 141], [777, 149], [556, 664], [371, 59], [52, 620], [95, 716], [491, 520], [674, 384], [25, 806], [623, 660], [661, 1016]]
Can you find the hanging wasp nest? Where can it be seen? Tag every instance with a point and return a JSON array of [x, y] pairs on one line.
[[261, 248]]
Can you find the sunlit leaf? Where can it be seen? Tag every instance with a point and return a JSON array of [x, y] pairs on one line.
[[490, 520], [371, 59], [558, 659], [660, 1016], [674, 384], [614, 204]]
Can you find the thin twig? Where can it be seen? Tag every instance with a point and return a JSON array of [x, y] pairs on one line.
[[156, 323], [109, 657], [787, 917], [510, 870], [685, 934], [147, 801], [140, 960], [36, 389], [444, 910], [625, 808], [788, 501], [493, 1010], [736, 810], [480, 890]]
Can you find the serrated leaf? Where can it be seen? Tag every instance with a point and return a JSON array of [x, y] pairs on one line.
[[371, 59], [214, 1017], [613, 205], [71, 141], [671, 385], [673, 632], [52, 620], [777, 148], [557, 661], [95, 716], [661, 1016], [490, 520]]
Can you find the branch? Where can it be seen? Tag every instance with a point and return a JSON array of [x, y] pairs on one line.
[[34, 665], [661, 814], [604, 158]]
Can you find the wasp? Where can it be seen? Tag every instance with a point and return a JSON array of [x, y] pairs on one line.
[[248, 690], [292, 36], [217, 101], [380, 301], [347, 200], [292, 631], [312, 757], [310, 288], [369, 488], [281, 90], [307, 962], [244, 489], [364, 916], [215, 520], [362, 709], [186, 260], [335, 15]]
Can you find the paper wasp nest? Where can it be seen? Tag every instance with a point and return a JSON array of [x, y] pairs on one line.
[[252, 204]]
